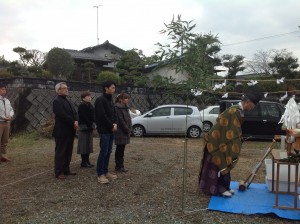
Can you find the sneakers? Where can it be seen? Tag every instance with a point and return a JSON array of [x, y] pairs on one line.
[[111, 176], [226, 194], [102, 179], [231, 191]]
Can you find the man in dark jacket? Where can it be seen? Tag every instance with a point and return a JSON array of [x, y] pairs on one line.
[[64, 131], [106, 121]]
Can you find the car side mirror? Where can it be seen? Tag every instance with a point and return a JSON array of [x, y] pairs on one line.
[[149, 115]]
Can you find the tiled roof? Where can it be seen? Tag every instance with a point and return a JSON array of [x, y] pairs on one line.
[[106, 43], [85, 55], [88, 53]]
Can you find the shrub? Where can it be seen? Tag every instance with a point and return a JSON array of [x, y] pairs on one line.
[[108, 76], [46, 129], [5, 74]]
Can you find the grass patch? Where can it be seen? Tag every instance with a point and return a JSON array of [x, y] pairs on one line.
[[24, 139]]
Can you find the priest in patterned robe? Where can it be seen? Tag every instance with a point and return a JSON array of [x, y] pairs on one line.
[[223, 146]]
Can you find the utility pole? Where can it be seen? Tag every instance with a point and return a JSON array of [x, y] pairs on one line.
[[97, 6]]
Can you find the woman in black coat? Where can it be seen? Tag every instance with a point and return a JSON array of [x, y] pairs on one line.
[[122, 135], [85, 130]]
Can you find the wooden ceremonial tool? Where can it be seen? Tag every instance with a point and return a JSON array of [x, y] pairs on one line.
[[244, 184]]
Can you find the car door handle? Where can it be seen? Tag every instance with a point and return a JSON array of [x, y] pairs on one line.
[[265, 121]]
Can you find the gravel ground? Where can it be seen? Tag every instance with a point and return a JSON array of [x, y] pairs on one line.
[[151, 192]]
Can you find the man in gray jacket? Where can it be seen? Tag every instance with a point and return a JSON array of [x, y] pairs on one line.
[[6, 115]]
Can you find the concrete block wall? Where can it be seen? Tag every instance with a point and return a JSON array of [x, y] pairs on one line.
[[32, 99]]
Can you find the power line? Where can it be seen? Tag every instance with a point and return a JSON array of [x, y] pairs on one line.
[[262, 38]]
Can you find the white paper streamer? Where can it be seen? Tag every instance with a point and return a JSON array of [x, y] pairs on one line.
[[291, 115], [278, 81], [225, 95]]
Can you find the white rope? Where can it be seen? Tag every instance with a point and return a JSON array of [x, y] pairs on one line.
[[29, 177], [46, 171]]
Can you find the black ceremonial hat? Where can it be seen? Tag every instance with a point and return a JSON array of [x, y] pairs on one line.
[[254, 94]]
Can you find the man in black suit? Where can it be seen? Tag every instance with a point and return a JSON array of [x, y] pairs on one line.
[[66, 123]]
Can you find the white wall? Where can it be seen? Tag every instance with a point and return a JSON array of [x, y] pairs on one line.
[[168, 72]]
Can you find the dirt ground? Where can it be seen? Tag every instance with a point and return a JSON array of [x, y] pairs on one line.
[[151, 192]]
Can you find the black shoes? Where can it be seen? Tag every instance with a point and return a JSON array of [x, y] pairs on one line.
[[86, 165], [70, 173], [121, 170], [85, 161]]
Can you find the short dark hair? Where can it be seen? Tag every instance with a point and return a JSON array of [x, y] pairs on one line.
[[84, 94], [2, 85], [107, 84]]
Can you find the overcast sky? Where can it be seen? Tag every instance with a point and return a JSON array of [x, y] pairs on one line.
[[72, 24]]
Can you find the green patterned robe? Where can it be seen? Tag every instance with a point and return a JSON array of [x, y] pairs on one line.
[[224, 139]]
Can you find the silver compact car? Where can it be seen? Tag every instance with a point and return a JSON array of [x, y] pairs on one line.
[[170, 120], [209, 116]]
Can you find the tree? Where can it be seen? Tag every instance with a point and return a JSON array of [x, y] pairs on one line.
[[89, 69], [151, 60], [22, 52], [189, 52], [131, 65], [59, 63], [15, 68], [108, 76], [285, 66], [181, 37], [234, 64], [3, 62], [35, 57], [260, 63], [30, 57], [201, 57]]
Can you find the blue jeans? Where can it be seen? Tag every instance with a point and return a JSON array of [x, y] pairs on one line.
[[106, 142]]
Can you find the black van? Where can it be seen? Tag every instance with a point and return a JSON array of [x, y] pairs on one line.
[[262, 121]]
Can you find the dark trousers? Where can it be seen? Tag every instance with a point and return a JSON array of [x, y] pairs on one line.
[[210, 181], [63, 155], [85, 159], [119, 156]]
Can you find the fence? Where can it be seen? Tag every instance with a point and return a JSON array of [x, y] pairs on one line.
[[32, 99]]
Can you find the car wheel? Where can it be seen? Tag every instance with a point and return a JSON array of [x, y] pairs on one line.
[[138, 130], [207, 126], [194, 132]]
